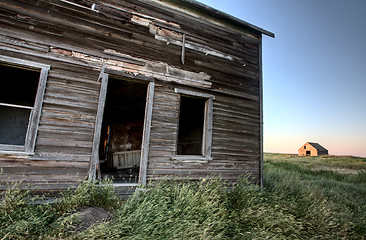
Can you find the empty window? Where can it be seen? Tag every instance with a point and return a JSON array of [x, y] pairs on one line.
[[194, 126], [191, 120], [17, 95], [19, 112]]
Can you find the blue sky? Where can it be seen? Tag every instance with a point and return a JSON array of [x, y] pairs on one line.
[[314, 71]]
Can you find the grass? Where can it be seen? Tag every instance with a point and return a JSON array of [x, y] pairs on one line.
[[299, 201]]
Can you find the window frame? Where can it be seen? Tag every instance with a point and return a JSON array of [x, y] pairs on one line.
[[35, 115], [207, 129]]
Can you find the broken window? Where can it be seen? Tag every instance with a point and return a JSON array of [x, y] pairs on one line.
[[195, 126], [19, 111]]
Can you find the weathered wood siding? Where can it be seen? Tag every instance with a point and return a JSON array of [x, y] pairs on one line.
[[141, 39], [235, 143]]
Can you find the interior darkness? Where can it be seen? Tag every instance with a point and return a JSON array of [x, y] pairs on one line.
[[191, 120], [19, 87], [122, 130]]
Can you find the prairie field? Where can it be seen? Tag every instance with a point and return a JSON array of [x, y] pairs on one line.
[[302, 198]]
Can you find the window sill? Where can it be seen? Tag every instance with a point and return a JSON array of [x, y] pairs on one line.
[[16, 153], [191, 159]]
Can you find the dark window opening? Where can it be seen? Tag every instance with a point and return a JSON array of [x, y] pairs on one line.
[[308, 153], [304, 147], [122, 130], [17, 95], [191, 123]]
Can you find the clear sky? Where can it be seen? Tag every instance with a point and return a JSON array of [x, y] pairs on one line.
[[314, 71]]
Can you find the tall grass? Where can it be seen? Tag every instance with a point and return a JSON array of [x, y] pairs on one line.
[[169, 210], [295, 203], [331, 205], [22, 216]]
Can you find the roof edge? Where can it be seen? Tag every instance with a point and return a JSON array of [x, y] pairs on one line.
[[222, 15]]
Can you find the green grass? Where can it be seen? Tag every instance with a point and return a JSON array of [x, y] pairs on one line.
[[299, 201], [330, 204]]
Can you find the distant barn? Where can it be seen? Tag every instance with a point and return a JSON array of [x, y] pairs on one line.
[[312, 149]]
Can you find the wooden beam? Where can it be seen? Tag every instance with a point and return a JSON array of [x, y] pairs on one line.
[[146, 135], [98, 127], [183, 47], [30, 140], [261, 107], [193, 93], [207, 137]]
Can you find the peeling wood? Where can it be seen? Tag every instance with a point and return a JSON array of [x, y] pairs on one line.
[[197, 47], [158, 70], [150, 42]]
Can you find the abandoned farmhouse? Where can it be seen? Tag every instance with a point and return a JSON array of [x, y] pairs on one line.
[[131, 90], [312, 149]]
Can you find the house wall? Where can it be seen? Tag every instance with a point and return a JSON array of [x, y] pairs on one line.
[[234, 142], [305, 148], [139, 40], [313, 151]]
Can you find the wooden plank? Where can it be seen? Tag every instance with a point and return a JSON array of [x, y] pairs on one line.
[[261, 108], [98, 127], [36, 113], [146, 134], [208, 126]]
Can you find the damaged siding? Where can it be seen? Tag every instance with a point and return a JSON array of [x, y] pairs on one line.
[[138, 40]]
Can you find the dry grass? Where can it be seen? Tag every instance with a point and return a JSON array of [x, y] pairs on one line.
[[298, 201]]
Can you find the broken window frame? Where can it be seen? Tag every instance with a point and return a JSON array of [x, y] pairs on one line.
[[207, 129], [31, 135], [104, 76]]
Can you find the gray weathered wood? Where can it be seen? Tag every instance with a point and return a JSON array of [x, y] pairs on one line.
[[261, 107], [208, 122], [36, 112], [146, 134], [222, 58], [98, 127]]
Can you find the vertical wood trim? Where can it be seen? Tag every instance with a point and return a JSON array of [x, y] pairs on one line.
[[183, 47], [261, 106], [146, 134], [98, 128], [208, 128], [178, 123], [35, 115]]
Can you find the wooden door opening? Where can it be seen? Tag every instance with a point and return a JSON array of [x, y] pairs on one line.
[[122, 130]]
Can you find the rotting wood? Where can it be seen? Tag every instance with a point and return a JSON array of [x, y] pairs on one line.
[[98, 126], [147, 133], [129, 38]]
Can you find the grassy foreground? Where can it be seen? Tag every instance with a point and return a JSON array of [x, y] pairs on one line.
[[303, 198]]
